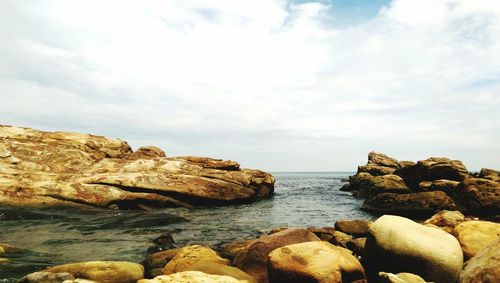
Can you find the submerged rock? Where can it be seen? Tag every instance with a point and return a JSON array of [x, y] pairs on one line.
[[316, 261], [484, 267], [476, 235], [70, 169], [253, 258], [397, 244]]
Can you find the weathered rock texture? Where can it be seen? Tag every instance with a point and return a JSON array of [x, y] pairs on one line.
[[192, 277], [190, 255], [66, 169], [483, 267], [316, 261], [445, 220], [397, 244], [102, 271], [475, 235]]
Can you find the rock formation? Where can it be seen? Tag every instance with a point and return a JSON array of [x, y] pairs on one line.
[[70, 169]]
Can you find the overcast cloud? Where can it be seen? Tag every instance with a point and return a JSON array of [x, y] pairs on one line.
[[275, 85]]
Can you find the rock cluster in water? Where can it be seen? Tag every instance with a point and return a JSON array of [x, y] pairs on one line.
[[70, 169], [425, 187]]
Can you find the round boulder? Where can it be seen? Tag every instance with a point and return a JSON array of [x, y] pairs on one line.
[[187, 256], [319, 262], [475, 235], [397, 244]]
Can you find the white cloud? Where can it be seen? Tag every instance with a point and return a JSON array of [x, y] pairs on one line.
[[275, 85]]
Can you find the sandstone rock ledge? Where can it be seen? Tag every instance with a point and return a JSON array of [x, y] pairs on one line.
[[70, 169]]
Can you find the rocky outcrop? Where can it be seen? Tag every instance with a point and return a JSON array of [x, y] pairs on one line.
[[379, 164], [367, 185], [447, 186], [414, 204], [445, 220], [490, 174], [484, 267], [397, 244], [70, 169], [477, 195], [253, 258], [102, 271], [316, 261], [192, 277], [475, 235], [189, 255]]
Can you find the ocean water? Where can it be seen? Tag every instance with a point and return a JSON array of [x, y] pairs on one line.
[[55, 236]]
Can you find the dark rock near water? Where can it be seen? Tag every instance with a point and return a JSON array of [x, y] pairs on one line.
[[414, 204], [358, 228], [367, 185], [447, 186], [477, 195]]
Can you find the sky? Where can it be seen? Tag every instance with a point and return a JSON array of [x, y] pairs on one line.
[[275, 85]]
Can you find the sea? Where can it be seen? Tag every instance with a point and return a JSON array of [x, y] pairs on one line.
[[53, 236]]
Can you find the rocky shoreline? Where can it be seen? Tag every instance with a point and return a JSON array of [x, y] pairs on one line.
[[452, 244]]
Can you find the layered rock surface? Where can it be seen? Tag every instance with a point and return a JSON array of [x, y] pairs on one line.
[[70, 169]]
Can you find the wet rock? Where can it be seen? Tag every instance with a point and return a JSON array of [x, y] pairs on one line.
[[447, 186], [367, 185], [102, 271], [414, 204], [478, 195], [356, 228], [46, 277], [397, 244], [340, 239], [209, 267], [476, 235], [316, 261], [434, 168], [490, 174], [253, 258], [163, 242], [70, 169], [446, 220], [160, 259], [484, 267], [147, 152], [232, 249], [400, 278], [192, 277], [190, 255]]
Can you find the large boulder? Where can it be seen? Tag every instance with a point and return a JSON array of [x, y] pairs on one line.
[[367, 185], [484, 267], [475, 235], [314, 262], [252, 259], [414, 204], [446, 220], [447, 186], [70, 169], [478, 195], [102, 271], [434, 168], [192, 277], [397, 244], [356, 227], [190, 255]]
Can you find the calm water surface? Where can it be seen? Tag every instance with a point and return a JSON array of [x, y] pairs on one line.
[[55, 236]]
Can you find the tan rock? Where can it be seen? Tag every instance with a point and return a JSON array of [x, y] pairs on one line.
[[357, 246], [209, 267], [367, 185], [192, 277], [253, 258], [447, 186], [397, 244], [324, 233], [353, 227], [484, 267], [446, 220], [190, 255], [340, 239], [476, 235], [400, 278], [160, 259], [70, 169], [3, 260], [490, 174], [479, 195], [316, 261], [46, 277], [414, 204], [232, 249], [102, 271]]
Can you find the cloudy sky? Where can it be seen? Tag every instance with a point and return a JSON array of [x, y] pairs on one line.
[[276, 85]]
